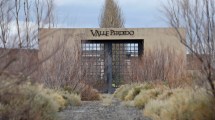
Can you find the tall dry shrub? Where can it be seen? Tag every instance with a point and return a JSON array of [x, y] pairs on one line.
[[197, 18], [15, 61], [65, 70], [160, 64]]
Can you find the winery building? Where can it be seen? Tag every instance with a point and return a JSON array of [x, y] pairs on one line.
[[105, 54]]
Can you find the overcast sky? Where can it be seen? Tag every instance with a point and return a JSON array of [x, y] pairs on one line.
[[85, 13]]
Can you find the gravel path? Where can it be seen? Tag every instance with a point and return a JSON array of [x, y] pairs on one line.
[[98, 111]]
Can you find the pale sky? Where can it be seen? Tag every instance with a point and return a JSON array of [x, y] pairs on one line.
[[85, 13]]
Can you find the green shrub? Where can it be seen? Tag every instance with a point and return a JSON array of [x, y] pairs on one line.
[[183, 104]]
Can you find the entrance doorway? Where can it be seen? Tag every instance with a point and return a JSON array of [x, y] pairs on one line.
[[106, 64]]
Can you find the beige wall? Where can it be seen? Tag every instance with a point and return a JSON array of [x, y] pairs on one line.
[[53, 40], [57, 40], [50, 39]]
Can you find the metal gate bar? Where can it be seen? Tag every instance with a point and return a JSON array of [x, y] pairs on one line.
[[108, 65]]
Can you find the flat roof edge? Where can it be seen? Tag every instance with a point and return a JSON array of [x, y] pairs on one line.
[[106, 28]]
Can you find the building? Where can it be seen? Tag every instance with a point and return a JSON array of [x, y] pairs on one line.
[[106, 54]]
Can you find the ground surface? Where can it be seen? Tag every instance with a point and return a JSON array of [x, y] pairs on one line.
[[98, 110]]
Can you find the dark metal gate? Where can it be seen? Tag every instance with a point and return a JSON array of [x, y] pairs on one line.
[[106, 64]]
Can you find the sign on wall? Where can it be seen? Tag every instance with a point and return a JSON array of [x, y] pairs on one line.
[[98, 33]]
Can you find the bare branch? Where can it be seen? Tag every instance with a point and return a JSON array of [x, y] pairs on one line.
[[197, 17]]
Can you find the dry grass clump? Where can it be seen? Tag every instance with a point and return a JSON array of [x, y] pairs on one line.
[[87, 92], [136, 94], [165, 95], [136, 90], [183, 104], [153, 108], [71, 98], [162, 103], [27, 101], [145, 96], [132, 93], [63, 98], [90, 94], [56, 97], [128, 92], [122, 91], [22, 102]]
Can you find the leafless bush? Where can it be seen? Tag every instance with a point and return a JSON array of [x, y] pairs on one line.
[[16, 61], [19, 60], [159, 64], [5, 19], [19, 38], [15, 32], [63, 68], [197, 17]]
